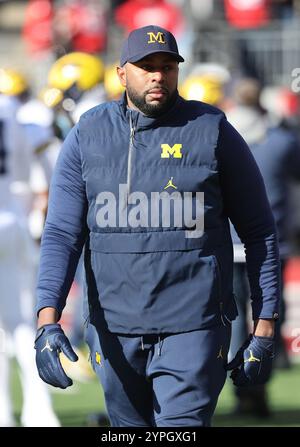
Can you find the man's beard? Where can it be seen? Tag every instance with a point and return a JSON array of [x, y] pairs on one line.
[[148, 109]]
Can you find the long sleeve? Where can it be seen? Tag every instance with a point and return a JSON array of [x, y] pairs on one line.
[[247, 206], [65, 230]]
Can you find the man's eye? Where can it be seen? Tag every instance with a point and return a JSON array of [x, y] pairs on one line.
[[169, 67], [146, 67]]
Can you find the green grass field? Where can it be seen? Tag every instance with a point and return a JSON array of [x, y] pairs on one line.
[[284, 397], [76, 403]]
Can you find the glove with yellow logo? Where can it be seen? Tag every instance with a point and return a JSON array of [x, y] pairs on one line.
[[252, 364], [49, 342]]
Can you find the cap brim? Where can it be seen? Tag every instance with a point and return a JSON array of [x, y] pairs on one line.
[[140, 56]]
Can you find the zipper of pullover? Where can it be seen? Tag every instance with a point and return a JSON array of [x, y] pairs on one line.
[[130, 151]]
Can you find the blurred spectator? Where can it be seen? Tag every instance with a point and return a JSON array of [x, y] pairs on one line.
[[205, 88], [283, 106], [80, 25], [79, 76], [112, 84], [283, 9], [207, 82], [36, 121], [277, 153], [16, 160], [75, 84], [137, 13], [37, 29], [17, 263], [249, 18], [245, 14]]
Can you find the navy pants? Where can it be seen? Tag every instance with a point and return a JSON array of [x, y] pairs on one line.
[[160, 381]]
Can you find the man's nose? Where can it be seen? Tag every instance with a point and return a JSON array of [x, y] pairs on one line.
[[158, 76]]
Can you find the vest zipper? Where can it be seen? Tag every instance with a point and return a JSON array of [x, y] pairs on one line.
[[130, 150]]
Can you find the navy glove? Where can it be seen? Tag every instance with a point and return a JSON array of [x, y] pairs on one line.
[[252, 364], [50, 341]]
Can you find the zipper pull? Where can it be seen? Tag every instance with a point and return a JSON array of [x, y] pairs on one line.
[[132, 128], [132, 132]]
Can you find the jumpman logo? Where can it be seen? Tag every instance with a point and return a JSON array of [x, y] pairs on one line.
[[47, 346], [220, 355], [251, 358], [170, 184]]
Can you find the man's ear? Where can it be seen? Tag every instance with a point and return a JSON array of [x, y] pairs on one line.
[[122, 75]]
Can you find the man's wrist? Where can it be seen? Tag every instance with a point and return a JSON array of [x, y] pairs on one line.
[[47, 315], [264, 328]]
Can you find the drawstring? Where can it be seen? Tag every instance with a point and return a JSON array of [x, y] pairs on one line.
[[160, 342]]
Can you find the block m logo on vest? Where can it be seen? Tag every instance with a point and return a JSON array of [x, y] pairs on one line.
[[158, 37], [167, 150]]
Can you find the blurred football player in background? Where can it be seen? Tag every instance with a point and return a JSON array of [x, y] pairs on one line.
[[18, 259]]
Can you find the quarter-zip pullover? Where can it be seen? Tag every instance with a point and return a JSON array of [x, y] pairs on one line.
[[146, 273]]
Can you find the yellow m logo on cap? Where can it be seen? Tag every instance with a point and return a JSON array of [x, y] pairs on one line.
[[167, 150], [158, 37]]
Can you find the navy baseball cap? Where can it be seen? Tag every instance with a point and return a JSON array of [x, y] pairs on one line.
[[148, 40]]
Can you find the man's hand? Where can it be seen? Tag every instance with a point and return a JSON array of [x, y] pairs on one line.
[[50, 341], [252, 364]]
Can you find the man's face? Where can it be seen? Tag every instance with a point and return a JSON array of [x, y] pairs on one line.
[[150, 83]]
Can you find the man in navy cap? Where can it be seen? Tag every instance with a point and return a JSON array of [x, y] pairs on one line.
[[146, 187], [150, 47]]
